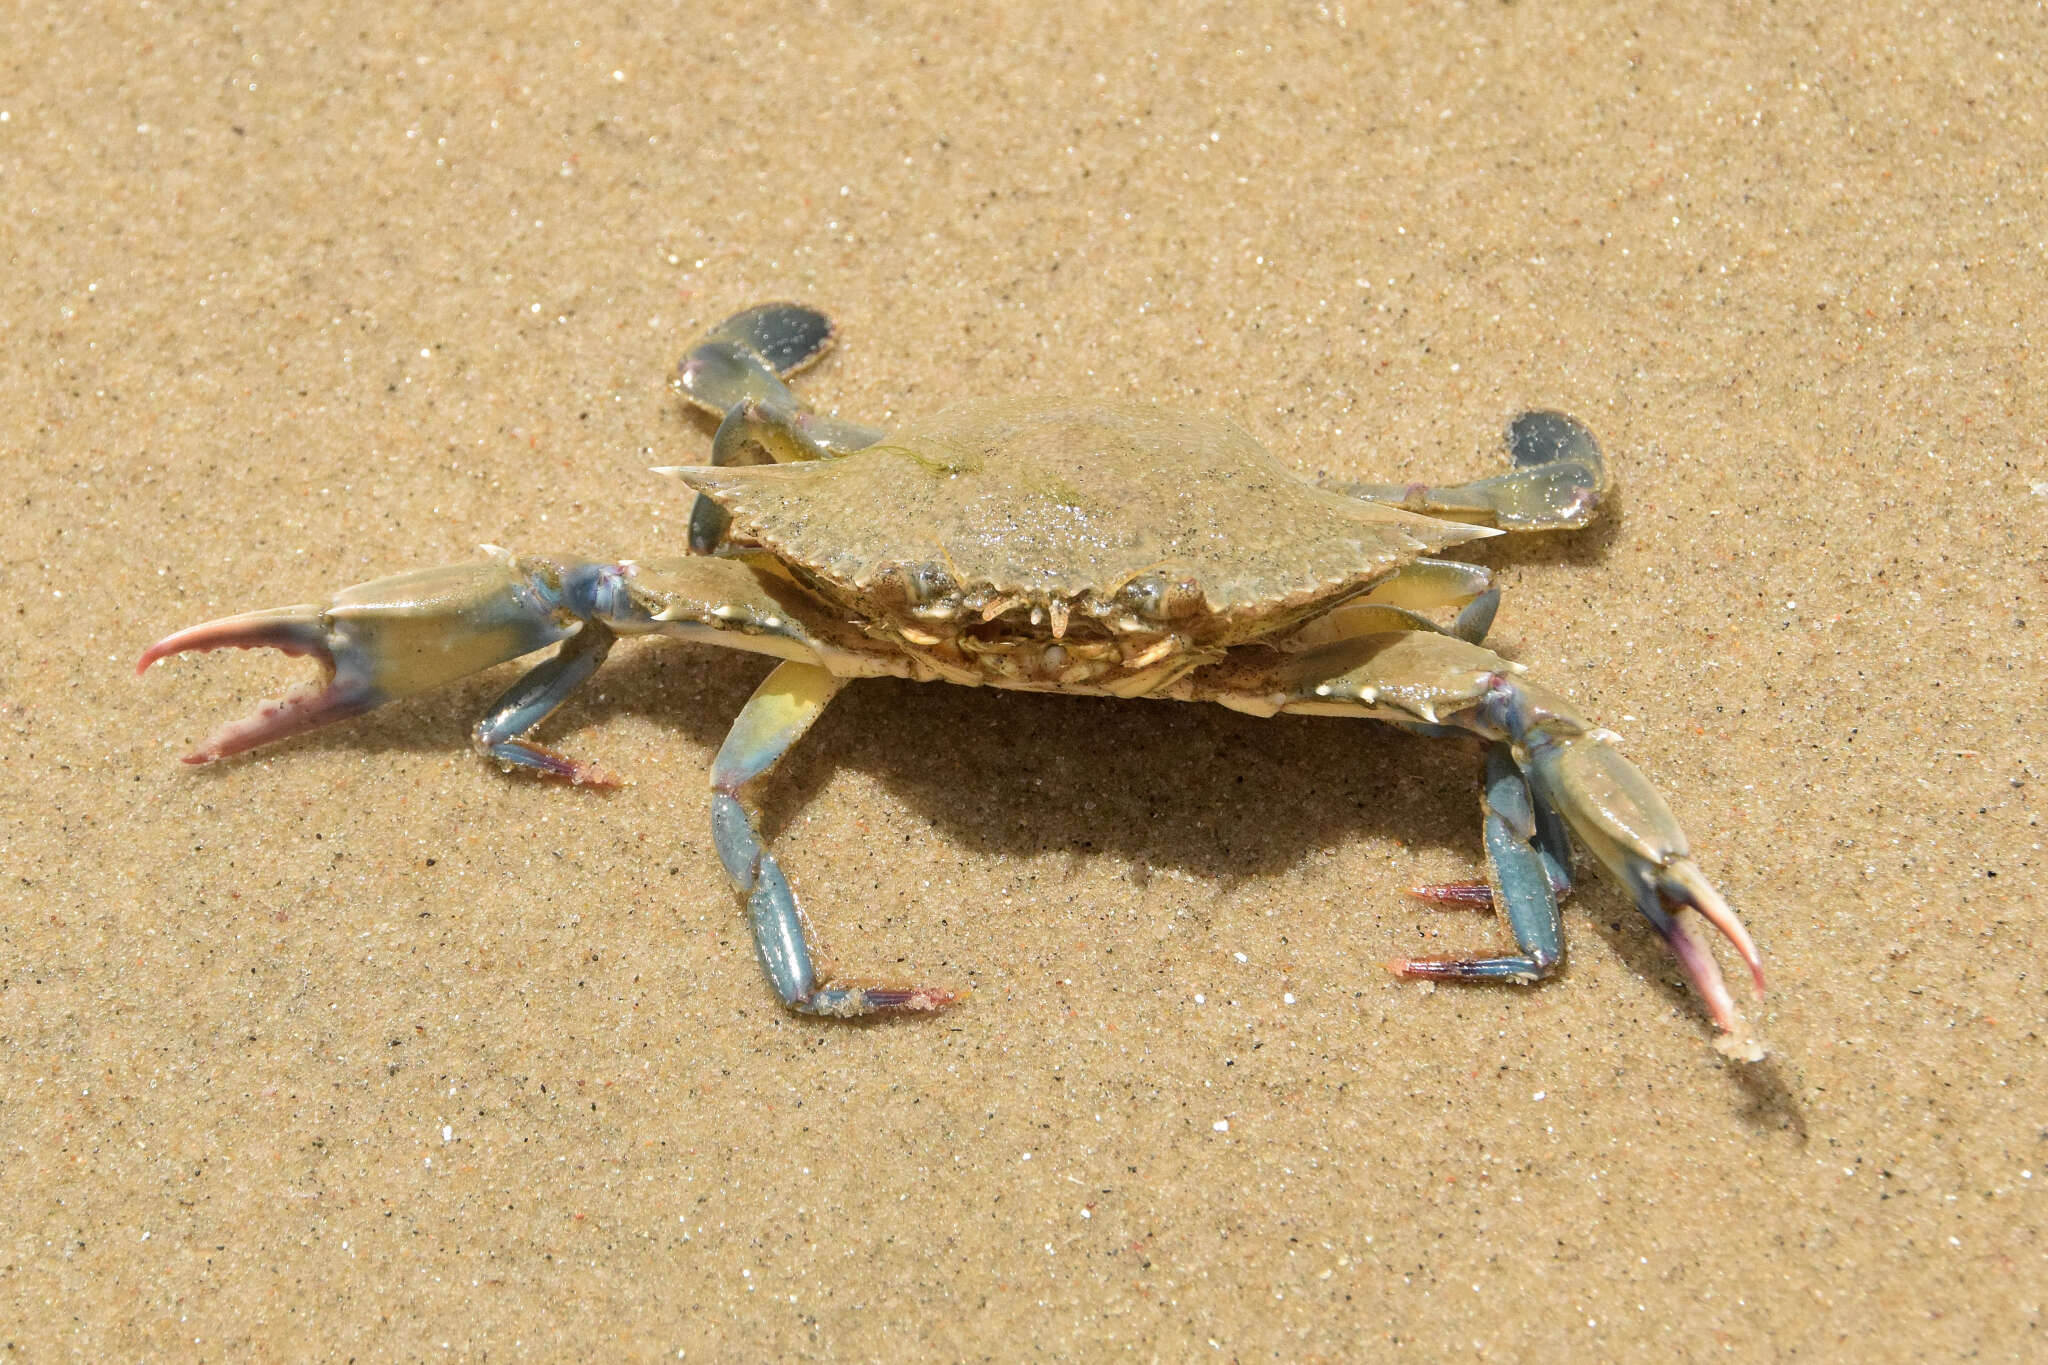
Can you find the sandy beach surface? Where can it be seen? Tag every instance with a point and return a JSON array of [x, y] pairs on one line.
[[356, 1048]]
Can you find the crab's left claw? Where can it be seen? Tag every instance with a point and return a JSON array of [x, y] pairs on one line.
[[1624, 823]]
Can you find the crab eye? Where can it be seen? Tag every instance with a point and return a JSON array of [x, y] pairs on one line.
[[1162, 597], [928, 583]]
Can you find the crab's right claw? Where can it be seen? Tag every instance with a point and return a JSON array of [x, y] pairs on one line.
[[290, 630], [1680, 902], [386, 639]]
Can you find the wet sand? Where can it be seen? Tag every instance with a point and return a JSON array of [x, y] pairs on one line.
[[358, 1048]]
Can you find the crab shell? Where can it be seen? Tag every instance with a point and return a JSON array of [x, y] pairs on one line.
[[1151, 522]]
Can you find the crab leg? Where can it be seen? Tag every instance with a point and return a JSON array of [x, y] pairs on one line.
[[1512, 813], [776, 716], [735, 372], [502, 733], [1528, 815], [1557, 483], [1398, 601], [1434, 682]]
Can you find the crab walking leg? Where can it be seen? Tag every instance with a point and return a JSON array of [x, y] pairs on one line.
[[774, 718], [1398, 601], [1557, 483], [1508, 798], [1433, 681], [744, 360], [785, 432], [1526, 877], [502, 733]]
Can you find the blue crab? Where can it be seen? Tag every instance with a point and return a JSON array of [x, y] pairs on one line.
[[1090, 546]]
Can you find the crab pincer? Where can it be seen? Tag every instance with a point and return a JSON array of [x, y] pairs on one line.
[[1552, 766], [289, 630], [412, 632]]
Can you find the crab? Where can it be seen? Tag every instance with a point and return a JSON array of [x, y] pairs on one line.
[[1093, 546]]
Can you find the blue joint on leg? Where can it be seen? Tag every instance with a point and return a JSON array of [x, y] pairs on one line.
[[777, 715], [1509, 795], [1503, 711], [1523, 896], [598, 592], [779, 929], [595, 595], [708, 523], [1527, 900], [1508, 712], [1527, 874]]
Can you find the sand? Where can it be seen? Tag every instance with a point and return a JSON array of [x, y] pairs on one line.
[[358, 1048]]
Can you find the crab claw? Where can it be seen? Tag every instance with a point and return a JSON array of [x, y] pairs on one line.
[[386, 639], [1679, 901], [1625, 824], [289, 630]]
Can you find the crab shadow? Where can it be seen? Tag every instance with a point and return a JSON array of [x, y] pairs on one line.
[[1200, 790]]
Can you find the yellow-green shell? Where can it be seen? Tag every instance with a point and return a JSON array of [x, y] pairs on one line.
[[1067, 502]]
